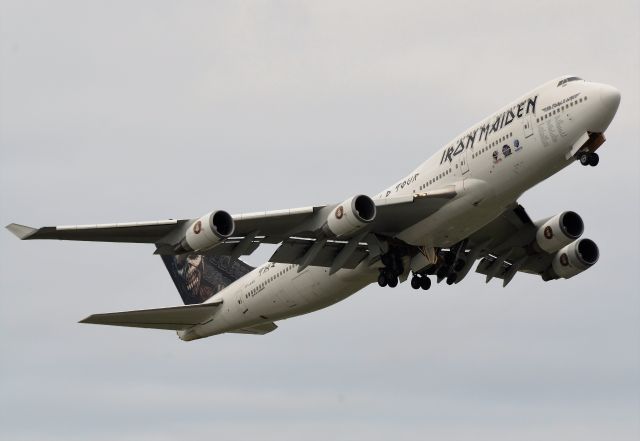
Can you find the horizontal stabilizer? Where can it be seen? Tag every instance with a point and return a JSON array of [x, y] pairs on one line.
[[173, 318]]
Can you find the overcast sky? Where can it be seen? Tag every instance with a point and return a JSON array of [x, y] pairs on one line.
[[123, 111]]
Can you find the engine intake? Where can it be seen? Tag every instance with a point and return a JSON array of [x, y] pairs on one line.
[[207, 232], [559, 231], [350, 216], [575, 258]]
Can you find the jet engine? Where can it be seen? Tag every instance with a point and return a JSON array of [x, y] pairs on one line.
[[559, 231], [575, 258], [350, 216], [207, 232]]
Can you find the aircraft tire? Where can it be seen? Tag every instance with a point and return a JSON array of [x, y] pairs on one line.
[[425, 283], [584, 158], [382, 280], [594, 159], [451, 278], [393, 282], [416, 283]]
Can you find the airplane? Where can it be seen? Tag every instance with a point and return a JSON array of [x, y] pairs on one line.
[[457, 207]]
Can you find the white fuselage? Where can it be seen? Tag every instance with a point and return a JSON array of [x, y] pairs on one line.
[[534, 137]]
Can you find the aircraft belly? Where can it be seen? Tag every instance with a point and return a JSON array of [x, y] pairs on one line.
[[286, 299], [475, 207], [317, 289], [331, 291]]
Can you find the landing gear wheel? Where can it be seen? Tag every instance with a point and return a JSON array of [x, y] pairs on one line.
[[451, 278], [415, 282], [584, 158], [594, 159], [382, 280], [393, 281], [425, 283], [460, 263]]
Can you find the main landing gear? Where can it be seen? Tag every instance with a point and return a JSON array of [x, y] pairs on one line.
[[588, 158], [417, 281], [420, 281], [452, 262], [393, 268], [387, 278]]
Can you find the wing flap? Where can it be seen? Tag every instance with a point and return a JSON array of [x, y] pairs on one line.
[[173, 318], [293, 250]]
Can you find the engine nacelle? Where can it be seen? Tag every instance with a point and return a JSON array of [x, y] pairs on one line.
[[559, 231], [207, 232], [350, 216], [575, 258]]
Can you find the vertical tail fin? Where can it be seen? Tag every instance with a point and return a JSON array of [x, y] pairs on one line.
[[199, 276]]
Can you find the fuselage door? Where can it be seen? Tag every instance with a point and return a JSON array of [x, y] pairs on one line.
[[463, 162], [527, 126], [242, 301]]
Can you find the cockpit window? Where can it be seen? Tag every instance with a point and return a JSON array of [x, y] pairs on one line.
[[566, 80]]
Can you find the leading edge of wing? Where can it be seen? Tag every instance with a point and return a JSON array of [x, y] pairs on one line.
[[446, 192]]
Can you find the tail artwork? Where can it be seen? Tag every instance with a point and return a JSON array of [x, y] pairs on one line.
[[199, 276]]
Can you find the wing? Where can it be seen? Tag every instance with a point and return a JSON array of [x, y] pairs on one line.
[[135, 232], [298, 229], [274, 225], [505, 247]]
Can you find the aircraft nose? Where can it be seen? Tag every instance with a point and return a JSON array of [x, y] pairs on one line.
[[610, 98], [605, 110]]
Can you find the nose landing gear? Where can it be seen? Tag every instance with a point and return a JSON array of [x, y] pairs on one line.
[[588, 158]]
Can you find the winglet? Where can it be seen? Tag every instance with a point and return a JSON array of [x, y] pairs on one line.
[[21, 231]]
